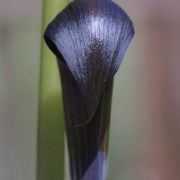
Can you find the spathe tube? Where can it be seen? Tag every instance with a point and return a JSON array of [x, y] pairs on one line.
[[89, 39]]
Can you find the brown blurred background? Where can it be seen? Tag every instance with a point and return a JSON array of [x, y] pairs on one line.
[[145, 126]]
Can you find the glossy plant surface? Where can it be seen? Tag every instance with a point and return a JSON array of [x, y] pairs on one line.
[[89, 38]]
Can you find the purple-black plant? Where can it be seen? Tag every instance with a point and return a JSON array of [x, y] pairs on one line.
[[89, 38]]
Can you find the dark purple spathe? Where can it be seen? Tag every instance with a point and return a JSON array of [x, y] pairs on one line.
[[89, 38]]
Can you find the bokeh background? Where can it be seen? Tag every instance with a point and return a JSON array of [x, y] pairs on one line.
[[145, 125]]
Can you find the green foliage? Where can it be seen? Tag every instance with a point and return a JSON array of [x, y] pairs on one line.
[[50, 146]]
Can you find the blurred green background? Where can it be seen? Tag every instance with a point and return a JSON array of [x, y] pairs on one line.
[[145, 123]]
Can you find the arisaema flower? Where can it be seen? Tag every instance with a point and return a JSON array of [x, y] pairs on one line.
[[89, 38]]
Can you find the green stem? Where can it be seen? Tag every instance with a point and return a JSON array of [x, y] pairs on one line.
[[50, 145]]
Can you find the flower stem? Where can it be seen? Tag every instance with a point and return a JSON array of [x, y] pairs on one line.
[[50, 145]]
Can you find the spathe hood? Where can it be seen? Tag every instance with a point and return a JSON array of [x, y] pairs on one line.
[[90, 37]]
